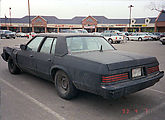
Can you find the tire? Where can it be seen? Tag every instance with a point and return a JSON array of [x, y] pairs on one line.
[[110, 41], [140, 39], [13, 69], [118, 42], [64, 86], [128, 38]]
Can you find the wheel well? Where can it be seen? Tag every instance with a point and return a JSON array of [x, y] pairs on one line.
[[53, 72], [7, 56], [140, 38]]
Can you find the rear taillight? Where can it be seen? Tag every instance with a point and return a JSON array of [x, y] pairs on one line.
[[116, 38], [152, 69], [114, 78]]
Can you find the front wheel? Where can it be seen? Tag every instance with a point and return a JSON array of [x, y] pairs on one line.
[[13, 69], [65, 88], [127, 38], [140, 39]]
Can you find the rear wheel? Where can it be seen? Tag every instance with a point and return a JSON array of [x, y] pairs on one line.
[[65, 88], [118, 42], [110, 41], [13, 69]]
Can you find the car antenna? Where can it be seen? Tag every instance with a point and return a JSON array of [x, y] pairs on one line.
[[101, 49]]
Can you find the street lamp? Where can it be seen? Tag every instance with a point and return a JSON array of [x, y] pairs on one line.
[[130, 14], [29, 14], [0, 14], [10, 14]]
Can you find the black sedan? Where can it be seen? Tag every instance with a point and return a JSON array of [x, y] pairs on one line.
[[83, 62]]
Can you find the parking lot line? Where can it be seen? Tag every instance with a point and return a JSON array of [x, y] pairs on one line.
[[34, 101]]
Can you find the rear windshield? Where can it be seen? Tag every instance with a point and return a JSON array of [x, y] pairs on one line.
[[82, 44]]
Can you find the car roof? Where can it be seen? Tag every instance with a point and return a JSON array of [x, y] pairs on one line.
[[66, 35]]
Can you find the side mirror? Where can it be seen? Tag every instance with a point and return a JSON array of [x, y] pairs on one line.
[[23, 47]]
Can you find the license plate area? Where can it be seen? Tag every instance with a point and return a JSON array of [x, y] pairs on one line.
[[136, 72]]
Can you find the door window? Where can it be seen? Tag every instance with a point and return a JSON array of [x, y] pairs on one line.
[[34, 44]]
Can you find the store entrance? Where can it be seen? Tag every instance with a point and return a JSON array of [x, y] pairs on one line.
[[39, 29]]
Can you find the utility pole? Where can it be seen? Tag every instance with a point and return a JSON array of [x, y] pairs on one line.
[[0, 14], [10, 14], [130, 14], [29, 15]]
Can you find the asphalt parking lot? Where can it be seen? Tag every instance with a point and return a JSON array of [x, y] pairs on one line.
[[26, 97]]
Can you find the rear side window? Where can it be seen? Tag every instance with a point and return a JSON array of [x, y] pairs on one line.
[[46, 47], [53, 46], [34, 44]]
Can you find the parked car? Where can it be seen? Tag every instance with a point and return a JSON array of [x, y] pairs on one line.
[[32, 34], [21, 34], [162, 39], [162, 35], [157, 34], [69, 31], [7, 34], [96, 33], [2, 34], [124, 34], [111, 31], [139, 36], [153, 37], [82, 31], [113, 38], [83, 62]]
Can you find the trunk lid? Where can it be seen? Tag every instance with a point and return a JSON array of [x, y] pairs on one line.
[[117, 59]]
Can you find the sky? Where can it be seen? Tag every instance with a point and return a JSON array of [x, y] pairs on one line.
[[70, 8]]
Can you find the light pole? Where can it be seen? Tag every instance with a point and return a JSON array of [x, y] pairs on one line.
[[10, 14], [29, 15], [0, 14], [130, 14]]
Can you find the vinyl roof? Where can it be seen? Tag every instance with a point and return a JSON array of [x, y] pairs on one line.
[[66, 34]]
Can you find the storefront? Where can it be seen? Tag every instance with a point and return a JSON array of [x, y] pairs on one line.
[[41, 24]]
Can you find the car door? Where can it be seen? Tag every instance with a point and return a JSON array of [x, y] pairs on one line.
[[45, 57], [26, 58]]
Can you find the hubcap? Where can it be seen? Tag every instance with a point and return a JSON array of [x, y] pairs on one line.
[[62, 83]]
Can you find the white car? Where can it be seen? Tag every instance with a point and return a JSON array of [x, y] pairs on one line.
[[113, 38], [20, 34], [162, 39], [153, 37], [139, 37]]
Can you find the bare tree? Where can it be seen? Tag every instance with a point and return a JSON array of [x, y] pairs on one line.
[[158, 5]]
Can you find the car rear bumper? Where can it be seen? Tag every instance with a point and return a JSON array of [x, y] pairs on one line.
[[122, 89]]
